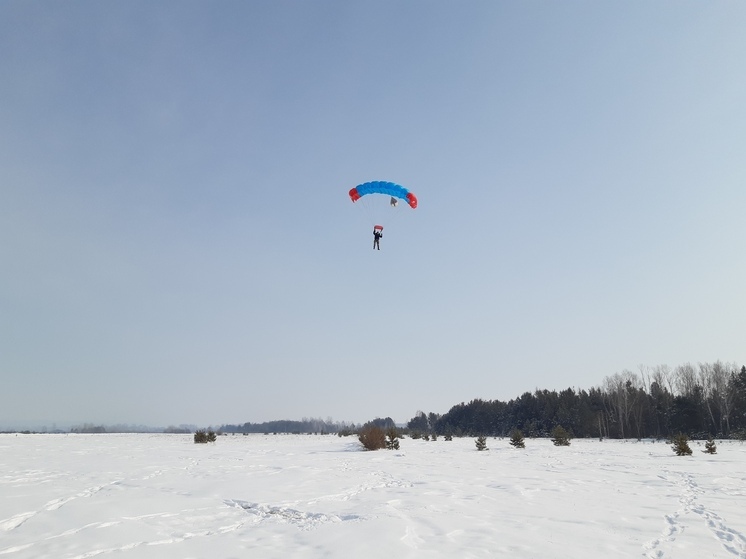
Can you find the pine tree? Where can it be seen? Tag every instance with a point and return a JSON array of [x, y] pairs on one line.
[[710, 447], [204, 437], [516, 438], [560, 436], [392, 439], [681, 445], [481, 443]]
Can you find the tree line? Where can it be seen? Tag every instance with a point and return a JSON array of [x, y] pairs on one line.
[[700, 401], [305, 425]]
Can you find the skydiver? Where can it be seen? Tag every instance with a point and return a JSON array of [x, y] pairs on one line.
[[394, 202], [377, 234]]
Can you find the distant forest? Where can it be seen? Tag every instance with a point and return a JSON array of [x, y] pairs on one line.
[[659, 402], [287, 426]]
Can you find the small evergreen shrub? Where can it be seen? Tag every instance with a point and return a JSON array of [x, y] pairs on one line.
[[560, 436], [448, 437], [372, 437], [392, 440], [681, 445], [433, 437], [204, 437], [426, 437], [710, 447], [516, 438], [481, 443]]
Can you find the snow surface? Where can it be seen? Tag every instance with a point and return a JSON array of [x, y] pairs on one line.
[[307, 496]]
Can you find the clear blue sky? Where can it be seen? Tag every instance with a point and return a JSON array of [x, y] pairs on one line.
[[178, 245]]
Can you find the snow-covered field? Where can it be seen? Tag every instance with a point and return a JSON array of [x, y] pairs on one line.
[[304, 496]]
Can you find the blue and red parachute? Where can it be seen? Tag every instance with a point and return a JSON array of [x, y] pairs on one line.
[[382, 187]]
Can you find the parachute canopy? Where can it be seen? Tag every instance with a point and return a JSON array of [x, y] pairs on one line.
[[381, 187]]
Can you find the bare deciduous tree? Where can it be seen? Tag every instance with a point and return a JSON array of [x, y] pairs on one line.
[[621, 389], [686, 380], [723, 388]]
